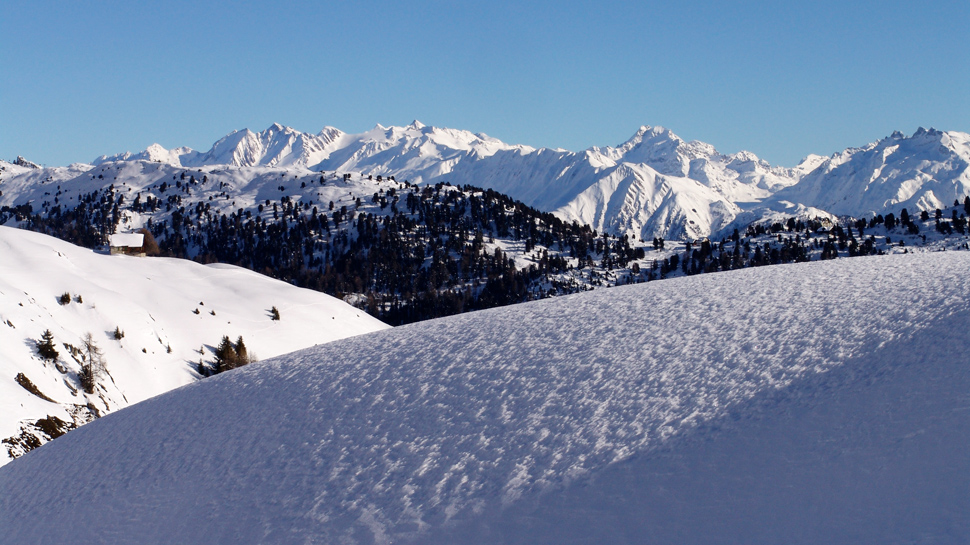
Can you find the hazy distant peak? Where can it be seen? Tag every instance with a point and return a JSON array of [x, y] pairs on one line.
[[20, 161]]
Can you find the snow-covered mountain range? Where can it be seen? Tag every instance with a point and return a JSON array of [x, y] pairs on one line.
[[655, 184], [925, 171], [172, 313], [820, 402]]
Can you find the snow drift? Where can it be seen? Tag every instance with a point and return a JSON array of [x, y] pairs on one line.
[[820, 402]]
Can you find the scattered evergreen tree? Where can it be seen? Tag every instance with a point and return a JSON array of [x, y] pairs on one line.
[[225, 355], [93, 364], [45, 346], [65, 298], [231, 355], [274, 314], [890, 221], [242, 354]]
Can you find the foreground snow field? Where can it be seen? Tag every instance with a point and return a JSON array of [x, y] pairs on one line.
[[825, 402], [172, 312]]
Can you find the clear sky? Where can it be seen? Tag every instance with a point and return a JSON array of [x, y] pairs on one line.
[[780, 79]]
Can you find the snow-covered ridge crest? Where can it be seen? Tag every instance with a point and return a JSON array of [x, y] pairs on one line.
[[386, 437], [926, 171], [154, 153]]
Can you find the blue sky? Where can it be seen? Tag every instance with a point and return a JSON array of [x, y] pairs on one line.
[[780, 79]]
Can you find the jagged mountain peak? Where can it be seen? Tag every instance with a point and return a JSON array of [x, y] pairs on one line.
[[20, 161], [927, 170], [652, 134], [330, 134], [920, 131]]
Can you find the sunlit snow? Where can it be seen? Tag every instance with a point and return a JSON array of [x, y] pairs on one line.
[[819, 402]]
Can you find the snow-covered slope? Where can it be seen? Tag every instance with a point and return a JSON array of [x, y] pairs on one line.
[[172, 313], [820, 402], [637, 198]]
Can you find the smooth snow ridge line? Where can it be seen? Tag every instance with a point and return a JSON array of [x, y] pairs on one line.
[[379, 438]]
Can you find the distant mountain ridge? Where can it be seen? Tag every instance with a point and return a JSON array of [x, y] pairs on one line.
[[667, 187], [925, 171], [654, 184]]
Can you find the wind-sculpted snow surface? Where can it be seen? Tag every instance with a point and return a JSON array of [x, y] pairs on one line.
[[413, 434]]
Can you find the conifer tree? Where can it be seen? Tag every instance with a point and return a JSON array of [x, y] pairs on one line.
[[226, 356], [45, 347], [242, 354], [93, 365]]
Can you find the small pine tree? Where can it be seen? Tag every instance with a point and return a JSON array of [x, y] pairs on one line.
[[45, 346], [226, 357], [242, 354], [119, 334], [65, 298], [275, 314]]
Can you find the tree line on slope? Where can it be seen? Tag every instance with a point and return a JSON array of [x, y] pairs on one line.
[[409, 253]]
